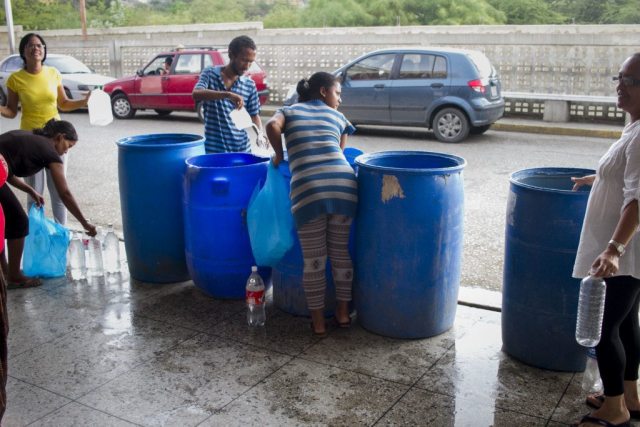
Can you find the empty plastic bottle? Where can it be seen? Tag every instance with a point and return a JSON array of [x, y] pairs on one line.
[[590, 311], [591, 381], [111, 251], [99, 106], [77, 266], [256, 315], [94, 258]]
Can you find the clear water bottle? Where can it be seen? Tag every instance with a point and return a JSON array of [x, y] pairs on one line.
[[591, 382], [111, 251], [77, 266], [590, 311], [94, 257], [256, 315]]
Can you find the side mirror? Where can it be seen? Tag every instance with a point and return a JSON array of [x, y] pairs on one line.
[[139, 73]]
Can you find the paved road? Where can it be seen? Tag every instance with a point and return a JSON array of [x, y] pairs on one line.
[[491, 158]]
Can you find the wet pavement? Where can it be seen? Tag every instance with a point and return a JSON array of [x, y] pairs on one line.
[[117, 352]]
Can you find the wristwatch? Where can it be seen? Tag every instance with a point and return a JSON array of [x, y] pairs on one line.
[[618, 247]]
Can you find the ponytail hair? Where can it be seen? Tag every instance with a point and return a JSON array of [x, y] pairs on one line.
[[309, 89], [54, 127]]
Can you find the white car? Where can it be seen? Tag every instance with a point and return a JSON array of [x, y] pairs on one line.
[[77, 78]]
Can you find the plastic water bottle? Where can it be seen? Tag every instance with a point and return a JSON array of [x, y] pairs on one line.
[[99, 106], [94, 258], [111, 251], [256, 315], [77, 266], [590, 311], [591, 382]]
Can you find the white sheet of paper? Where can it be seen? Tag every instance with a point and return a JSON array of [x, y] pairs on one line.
[[241, 118]]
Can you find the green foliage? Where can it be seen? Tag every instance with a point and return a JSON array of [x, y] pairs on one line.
[[282, 16], [455, 12], [528, 12], [335, 13]]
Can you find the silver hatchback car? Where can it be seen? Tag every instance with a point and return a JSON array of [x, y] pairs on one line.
[[77, 78]]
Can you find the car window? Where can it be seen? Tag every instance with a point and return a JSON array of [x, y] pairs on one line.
[[417, 66], [155, 67], [440, 68], [482, 64], [208, 62], [189, 63], [12, 64], [377, 67], [67, 65]]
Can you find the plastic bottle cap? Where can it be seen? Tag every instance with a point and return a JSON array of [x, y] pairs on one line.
[[254, 269]]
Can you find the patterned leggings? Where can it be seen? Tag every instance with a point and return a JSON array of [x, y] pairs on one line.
[[326, 232]]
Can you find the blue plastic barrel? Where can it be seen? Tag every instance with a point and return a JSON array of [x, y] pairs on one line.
[[409, 242], [150, 172], [217, 190], [539, 296], [288, 293]]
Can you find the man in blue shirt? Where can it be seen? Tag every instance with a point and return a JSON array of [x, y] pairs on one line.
[[223, 89]]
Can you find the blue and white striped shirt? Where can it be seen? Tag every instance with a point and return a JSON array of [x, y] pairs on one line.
[[322, 181], [221, 135]]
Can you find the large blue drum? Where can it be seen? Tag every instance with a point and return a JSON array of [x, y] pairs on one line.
[[539, 296], [409, 242], [150, 171], [217, 190]]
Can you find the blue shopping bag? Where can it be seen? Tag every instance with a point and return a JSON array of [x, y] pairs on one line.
[[269, 219], [45, 248]]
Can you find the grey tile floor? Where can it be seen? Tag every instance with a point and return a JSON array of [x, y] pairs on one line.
[[117, 352]]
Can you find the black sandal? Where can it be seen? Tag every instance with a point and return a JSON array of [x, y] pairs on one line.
[[634, 413]]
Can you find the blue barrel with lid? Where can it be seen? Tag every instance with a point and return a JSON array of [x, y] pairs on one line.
[[539, 296], [217, 190], [150, 172], [409, 242]]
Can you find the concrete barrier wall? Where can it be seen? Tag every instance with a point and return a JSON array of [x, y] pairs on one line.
[[568, 59]]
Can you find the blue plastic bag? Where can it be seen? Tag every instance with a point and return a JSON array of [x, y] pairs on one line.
[[45, 248], [269, 219]]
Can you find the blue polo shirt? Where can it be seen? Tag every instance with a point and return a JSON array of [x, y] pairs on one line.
[[221, 135]]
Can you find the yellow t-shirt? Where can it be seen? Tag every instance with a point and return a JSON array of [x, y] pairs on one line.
[[38, 95]]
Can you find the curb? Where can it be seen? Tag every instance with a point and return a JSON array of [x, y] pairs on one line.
[[534, 127]]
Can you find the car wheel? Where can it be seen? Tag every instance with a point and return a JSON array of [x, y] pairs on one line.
[[450, 125], [121, 107], [3, 98], [479, 130], [163, 112], [200, 111]]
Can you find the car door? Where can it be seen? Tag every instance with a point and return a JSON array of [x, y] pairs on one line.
[[365, 89], [422, 78], [183, 77], [148, 92]]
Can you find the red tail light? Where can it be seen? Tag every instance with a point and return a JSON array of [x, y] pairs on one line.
[[476, 85]]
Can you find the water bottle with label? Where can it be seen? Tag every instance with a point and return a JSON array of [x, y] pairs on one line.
[[591, 382], [77, 267], [590, 311], [256, 315], [111, 253]]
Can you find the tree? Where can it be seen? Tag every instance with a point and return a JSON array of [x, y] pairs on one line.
[[389, 12], [335, 13], [528, 12], [455, 12], [282, 16]]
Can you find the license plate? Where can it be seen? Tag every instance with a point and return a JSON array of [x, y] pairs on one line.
[[494, 91]]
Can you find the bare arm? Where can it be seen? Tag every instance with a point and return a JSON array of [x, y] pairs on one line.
[[23, 186], [607, 262], [59, 180], [66, 104], [215, 95], [11, 109], [257, 121], [274, 129], [584, 180]]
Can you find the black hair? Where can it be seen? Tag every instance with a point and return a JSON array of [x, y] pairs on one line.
[[25, 41], [309, 89], [240, 43], [54, 127], [168, 60]]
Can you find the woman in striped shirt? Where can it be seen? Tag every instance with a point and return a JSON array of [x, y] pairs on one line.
[[324, 191]]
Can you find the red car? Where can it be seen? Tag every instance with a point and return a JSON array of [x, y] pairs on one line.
[[165, 88]]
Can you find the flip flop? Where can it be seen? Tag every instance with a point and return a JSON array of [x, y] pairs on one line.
[[595, 401], [28, 283], [600, 422]]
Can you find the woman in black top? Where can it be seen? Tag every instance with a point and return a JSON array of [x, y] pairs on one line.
[[26, 153]]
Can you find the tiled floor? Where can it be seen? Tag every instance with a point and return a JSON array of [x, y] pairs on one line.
[[115, 352]]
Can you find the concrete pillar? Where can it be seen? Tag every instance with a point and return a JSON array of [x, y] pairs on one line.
[[556, 111]]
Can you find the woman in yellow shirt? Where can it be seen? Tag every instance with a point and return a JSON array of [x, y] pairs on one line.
[[39, 90]]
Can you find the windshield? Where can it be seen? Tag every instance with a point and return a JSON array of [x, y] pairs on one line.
[[483, 65], [68, 65]]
